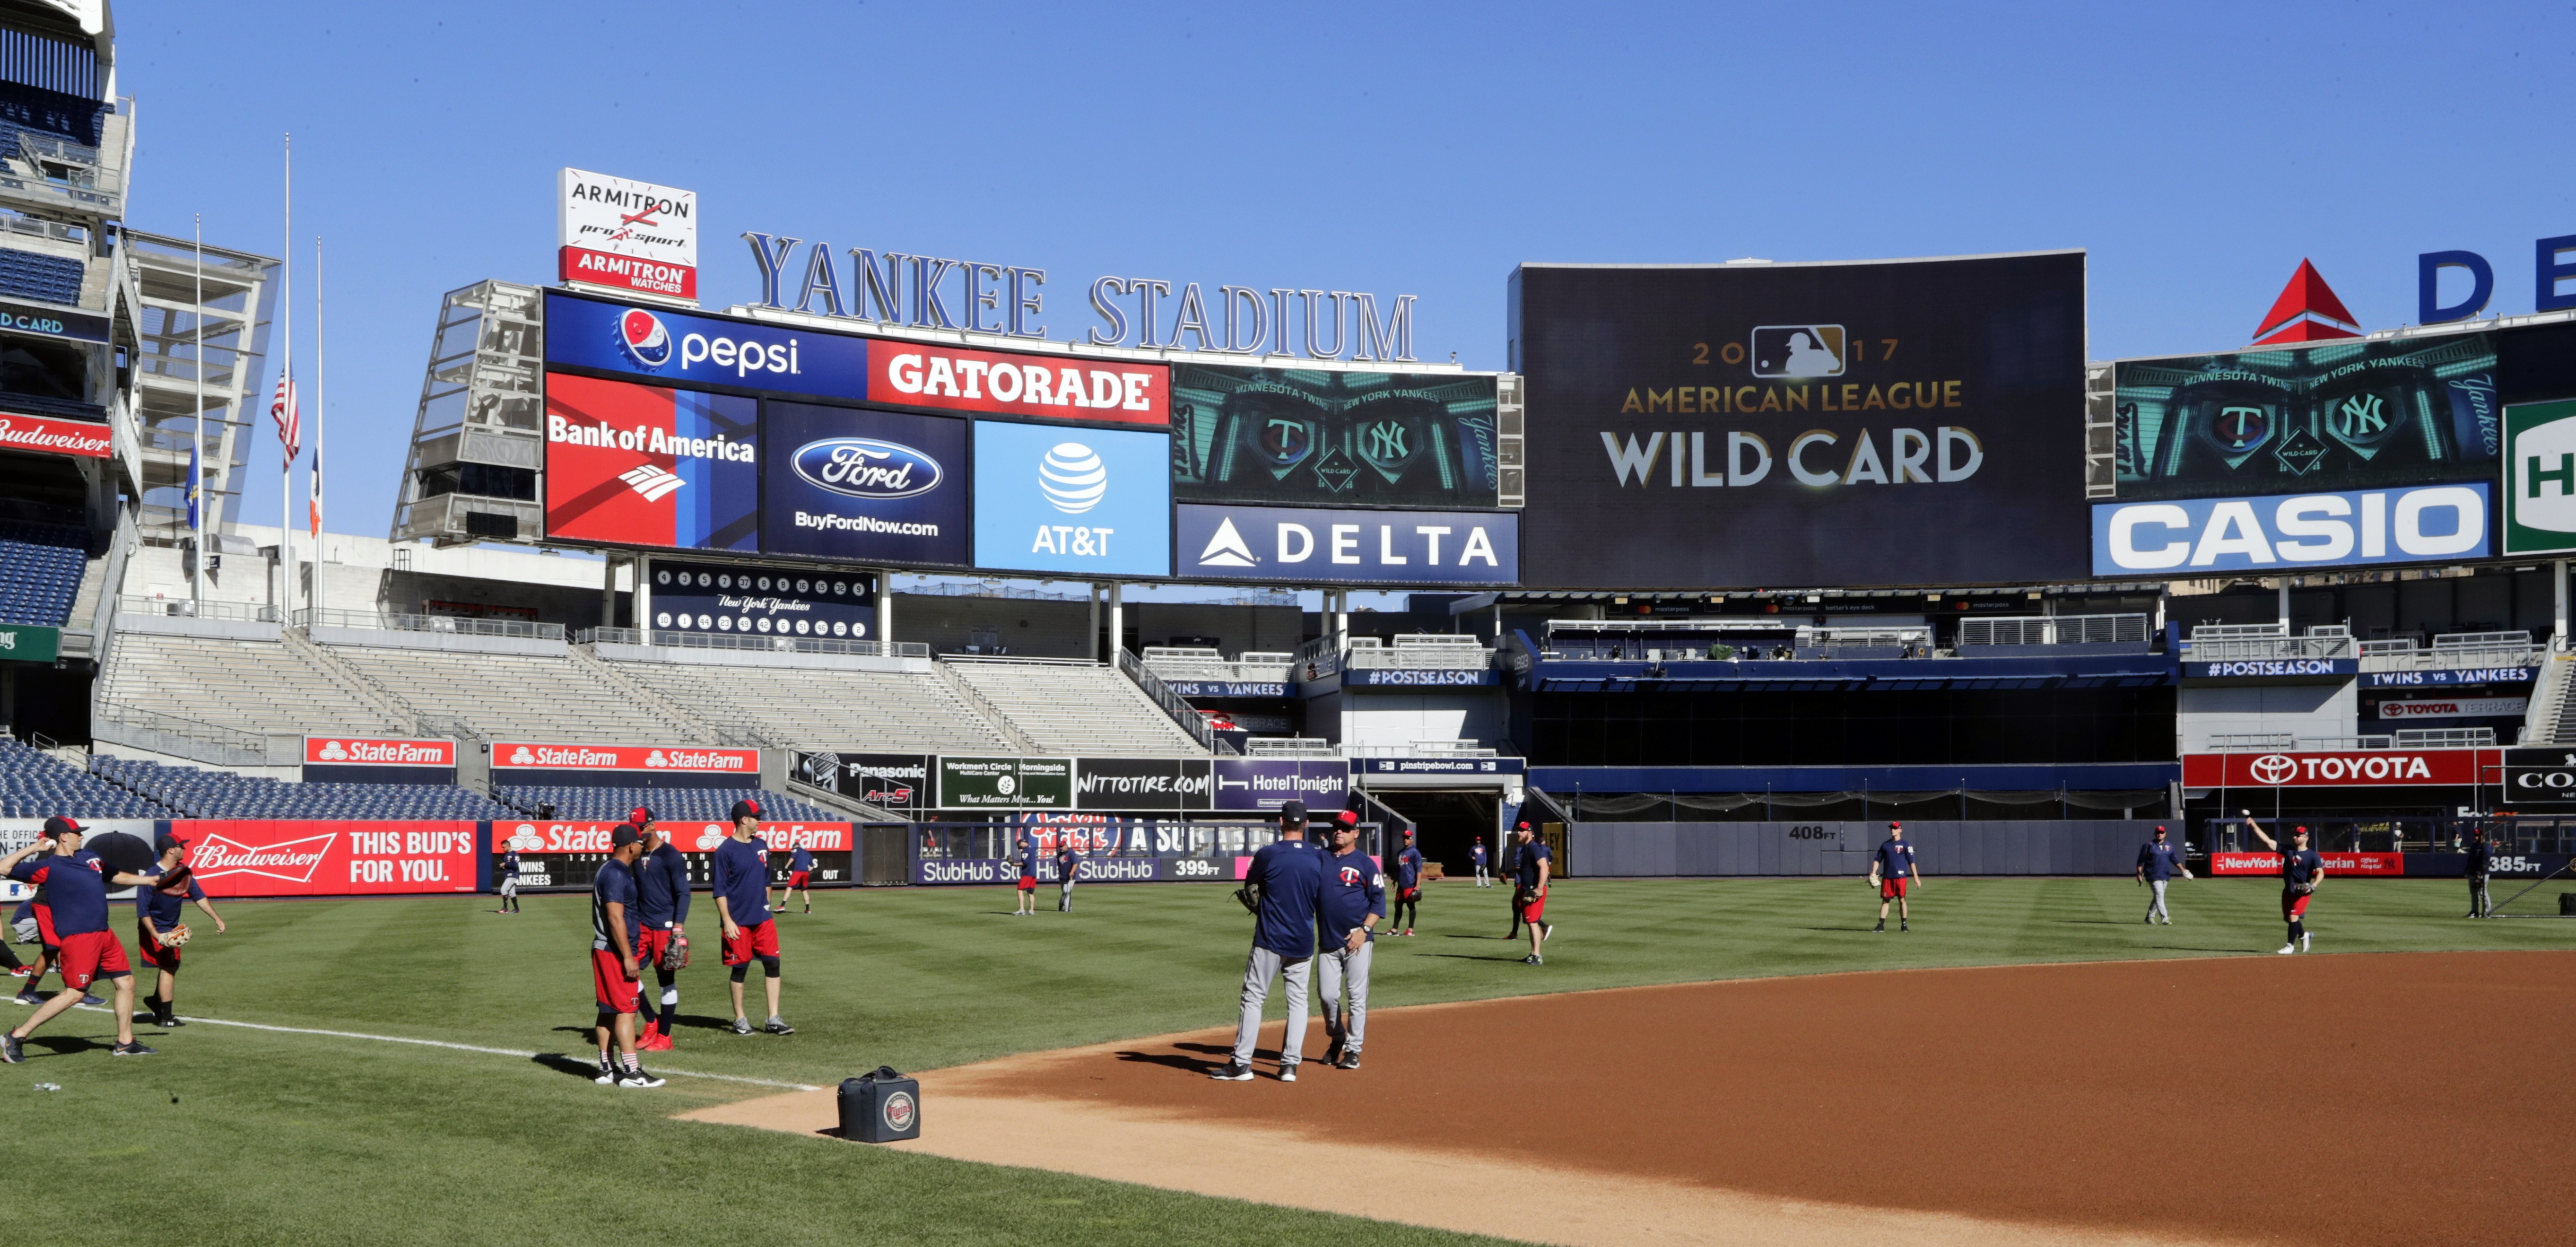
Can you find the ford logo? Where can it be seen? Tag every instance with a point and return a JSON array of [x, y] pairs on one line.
[[864, 467]]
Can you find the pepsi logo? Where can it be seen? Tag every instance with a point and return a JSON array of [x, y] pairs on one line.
[[642, 337], [864, 467]]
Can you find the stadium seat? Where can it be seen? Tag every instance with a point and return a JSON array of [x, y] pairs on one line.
[[251, 686], [40, 572], [517, 696], [826, 709], [197, 793], [1072, 708], [675, 804], [35, 784]]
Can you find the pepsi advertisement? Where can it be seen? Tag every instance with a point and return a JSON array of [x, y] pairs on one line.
[[1088, 502], [866, 486], [666, 347]]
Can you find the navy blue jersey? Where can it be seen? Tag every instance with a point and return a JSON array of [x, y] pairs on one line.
[[2159, 860], [2481, 855], [510, 864], [1480, 852], [1028, 859], [2298, 866], [740, 875], [163, 911], [1525, 864], [1895, 859], [662, 887], [1353, 890], [1291, 876], [615, 884], [800, 860], [1408, 868], [1068, 863], [75, 889]]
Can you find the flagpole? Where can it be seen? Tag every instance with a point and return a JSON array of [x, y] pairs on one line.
[[286, 375], [313, 475], [196, 488]]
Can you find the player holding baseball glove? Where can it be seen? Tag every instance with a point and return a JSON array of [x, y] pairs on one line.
[[662, 902], [158, 933], [2302, 869]]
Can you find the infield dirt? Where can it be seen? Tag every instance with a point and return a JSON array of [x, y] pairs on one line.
[[2363, 1099]]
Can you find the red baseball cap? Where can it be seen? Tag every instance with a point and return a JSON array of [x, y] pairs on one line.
[[640, 816], [60, 826], [743, 808]]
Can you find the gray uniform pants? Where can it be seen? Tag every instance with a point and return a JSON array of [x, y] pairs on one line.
[[2480, 903], [1258, 969], [1336, 964], [1064, 892], [2156, 907]]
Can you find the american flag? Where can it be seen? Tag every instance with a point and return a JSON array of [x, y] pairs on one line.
[[290, 426]]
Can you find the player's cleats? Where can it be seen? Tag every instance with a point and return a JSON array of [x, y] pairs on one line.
[[607, 1073], [1408, 933], [92, 1001], [1533, 960], [1546, 932], [9, 1050], [22, 971], [658, 1042], [636, 1077], [130, 1048], [2303, 942], [777, 1025], [1288, 1073], [27, 998], [1231, 1071], [1880, 928], [1901, 925], [2286, 949], [1333, 1052], [1350, 1059]]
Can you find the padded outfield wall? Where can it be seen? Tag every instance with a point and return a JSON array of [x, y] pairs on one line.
[[1998, 847]]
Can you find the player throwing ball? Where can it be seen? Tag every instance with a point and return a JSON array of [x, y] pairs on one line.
[[740, 879], [2302, 869], [77, 882], [1893, 872]]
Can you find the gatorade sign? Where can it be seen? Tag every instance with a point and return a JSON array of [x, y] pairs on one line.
[[2540, 478]]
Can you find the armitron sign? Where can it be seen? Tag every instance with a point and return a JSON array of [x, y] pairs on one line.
[[2298, 769], [632, 237]]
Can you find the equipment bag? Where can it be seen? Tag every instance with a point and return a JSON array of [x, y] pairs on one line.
[[882, 1107]]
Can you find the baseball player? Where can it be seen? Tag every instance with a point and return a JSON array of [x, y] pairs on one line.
[[1529, 888], [157, 930], [87, 949], [615, 976], [1512, 870], [1408, 885], [1894, 872], [1068, 868], [1354, 902], [1483, 880], [2301, 871], [2157, 861], [662, 903], [1028, 888], [1284, 888], [509, 881], [800, 877], [739, 882], [2481, 863]]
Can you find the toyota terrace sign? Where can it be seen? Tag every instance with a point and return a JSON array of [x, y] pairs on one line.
[[512, 755], [2383, 767]]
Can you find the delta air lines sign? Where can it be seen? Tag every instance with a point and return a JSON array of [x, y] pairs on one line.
[[1331, 546]]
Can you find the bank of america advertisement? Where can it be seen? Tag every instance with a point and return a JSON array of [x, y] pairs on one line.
[[2336, 416], [650, 466], [1320, 437], [1749, 425]]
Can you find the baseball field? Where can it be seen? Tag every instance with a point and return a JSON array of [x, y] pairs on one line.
[[1698, 1061]]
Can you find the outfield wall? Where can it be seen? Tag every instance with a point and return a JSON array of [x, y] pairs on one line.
[[1999, 847]]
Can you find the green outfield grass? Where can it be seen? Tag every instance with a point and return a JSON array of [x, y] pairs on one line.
[[248, 1136]]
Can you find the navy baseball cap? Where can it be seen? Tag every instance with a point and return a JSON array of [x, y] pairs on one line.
[[624, 835], [60, 826], [1292, 810], [744, 809]]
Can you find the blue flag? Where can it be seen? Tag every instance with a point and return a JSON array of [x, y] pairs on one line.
[[194, 487]]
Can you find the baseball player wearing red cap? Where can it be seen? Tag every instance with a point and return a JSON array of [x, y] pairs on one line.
[[78, 882], [740, 879], [2302, 869], [1407, 869], [2158, 859], [662, 901], [616, 978], [1894, 872], [159, 936], [1529, 888]]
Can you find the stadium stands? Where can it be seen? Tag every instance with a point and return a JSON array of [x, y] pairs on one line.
[[253, 686], [40, 572], [823, 708], [34, 784], [1076, 707], [221, 794], [679, 804], [28, 275], [514, 696]]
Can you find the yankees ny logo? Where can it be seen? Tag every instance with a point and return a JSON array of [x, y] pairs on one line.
[[1383, 442]]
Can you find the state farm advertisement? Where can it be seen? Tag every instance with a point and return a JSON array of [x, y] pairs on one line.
[[516, 755], [538, 835], [54, 437], [997, 382], [2388, 767], [296, 857], [2336, 863], [377, 751]]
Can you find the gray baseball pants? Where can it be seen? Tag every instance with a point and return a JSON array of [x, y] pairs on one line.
[[1335, 965], [2480, 904], [1258, 969], [2156, 907]]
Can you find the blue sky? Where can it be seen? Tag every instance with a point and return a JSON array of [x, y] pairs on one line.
[[2199, 151]]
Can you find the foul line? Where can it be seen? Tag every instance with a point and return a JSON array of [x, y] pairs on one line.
[[459, 1047]]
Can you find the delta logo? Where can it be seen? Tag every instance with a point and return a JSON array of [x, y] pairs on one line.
[[2307, 311], [643, 339]]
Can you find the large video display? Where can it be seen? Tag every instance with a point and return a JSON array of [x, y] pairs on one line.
[[866, 486], [648, 466], [1752, 425], [1313, 437], [1081, 501]]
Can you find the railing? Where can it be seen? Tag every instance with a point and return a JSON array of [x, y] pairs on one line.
[[2445, 737], [1426, 749], [2456, 649], [2274, 742], [1181, 712], [185, 608], [214, 742], [741, 641], [2056, 630], [1184, 663], [391, 621], [1421, 653], [1290, 747], [1318, 658], [1021, 660], [2228, 649], [982, 705]]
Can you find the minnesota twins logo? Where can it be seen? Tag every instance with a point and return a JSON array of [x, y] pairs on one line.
[[1286, 441]]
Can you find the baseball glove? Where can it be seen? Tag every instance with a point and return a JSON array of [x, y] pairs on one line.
[[2304, 888], [1250, 898], [675, 955], [176, 882], [175, 936]]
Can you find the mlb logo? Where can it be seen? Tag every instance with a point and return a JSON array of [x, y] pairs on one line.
[[1797, 350]]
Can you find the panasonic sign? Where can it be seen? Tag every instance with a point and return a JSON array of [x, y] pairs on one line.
[[2292, 531]]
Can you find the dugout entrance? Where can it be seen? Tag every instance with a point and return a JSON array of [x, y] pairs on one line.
[[1447, 822]]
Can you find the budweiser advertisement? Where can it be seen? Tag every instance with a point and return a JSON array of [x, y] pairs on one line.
[[2336, 863], [689, 835], [517, 755], [298, 857], [377, 751], [2328, 768], [86, 438]]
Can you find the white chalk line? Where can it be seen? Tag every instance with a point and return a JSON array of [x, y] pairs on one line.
[[459, 1047]]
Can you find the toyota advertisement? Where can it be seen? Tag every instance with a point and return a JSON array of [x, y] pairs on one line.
[[1087, 502], [286, 857], [2323, 768], [644, 465], [866, 486]]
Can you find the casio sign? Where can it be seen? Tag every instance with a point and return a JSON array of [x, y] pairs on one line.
[[2316, 530], [864, 467]]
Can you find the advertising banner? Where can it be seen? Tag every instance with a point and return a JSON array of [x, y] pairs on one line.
[[714, 597], [687, 835], [1003, 383], [515, 755], [2332, 417], [377, 751], [2336, 863], [627, 235], [2269, 668], [2456, 708], [37, 320], [1332, 438], [2449, 677], [2332, 768], [2291, 532], [1091, 502], [1227, 688], [645, 465], [659, 346], [53, 436], [876, 486], [2540, 478], [1410, 678], [2538, 777], [894, 781], [29, 643], [288, 857], [1880, 423], [1265, 783], [1140, 784], [1349, 547], [1440, 766], [1116, 850], [1005, 783]]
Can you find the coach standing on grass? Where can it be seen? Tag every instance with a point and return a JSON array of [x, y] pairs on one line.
[[1533, 863], [2157, 861], [615, 977], [662, 894], [740, 885], [1893, 871], [1068, 869], [1284, 889], [77, 883], [1354, 902], [2481, 863], [158, 933]]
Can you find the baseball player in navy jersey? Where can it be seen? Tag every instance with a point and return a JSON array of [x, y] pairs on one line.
[[509, 882], [1408, 886], [800, 877], [157, 929], [1483, 879], [77, 882], [1354, 901], [1893, 871], [1531, 865], [740, 885], [662, 902], [1068, 866], [2302, 869], [1285, 887], [616, 978], [1027, 890], [2158, 859]]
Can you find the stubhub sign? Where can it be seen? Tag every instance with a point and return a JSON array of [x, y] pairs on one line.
[[2292, 530], [1348, 546]]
